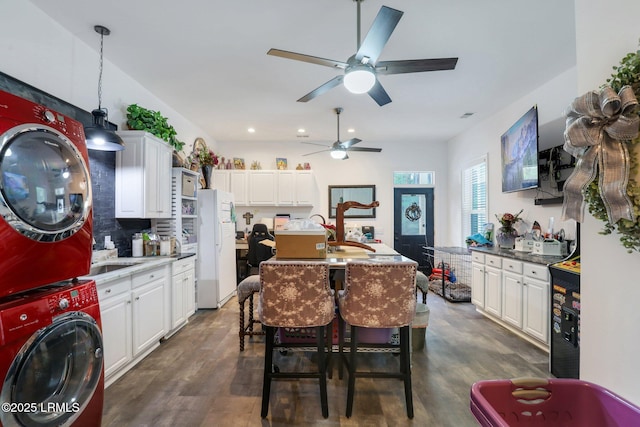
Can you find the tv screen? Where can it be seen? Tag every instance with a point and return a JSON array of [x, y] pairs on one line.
[[520, 153]]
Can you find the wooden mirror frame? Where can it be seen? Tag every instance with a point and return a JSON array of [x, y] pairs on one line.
[[365, 194]]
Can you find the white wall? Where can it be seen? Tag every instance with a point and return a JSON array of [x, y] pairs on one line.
[[552, 99], [360, 168], [610, 344], [40, 52]]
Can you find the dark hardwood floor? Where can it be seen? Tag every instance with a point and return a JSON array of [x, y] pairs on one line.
[[199, 377]]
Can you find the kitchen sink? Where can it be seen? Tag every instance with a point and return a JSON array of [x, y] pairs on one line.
[[109, 267]]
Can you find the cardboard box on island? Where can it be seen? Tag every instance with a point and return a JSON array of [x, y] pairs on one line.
[[301, 244]]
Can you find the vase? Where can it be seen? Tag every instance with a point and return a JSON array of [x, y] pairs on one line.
[[506, 237], [206, 175]]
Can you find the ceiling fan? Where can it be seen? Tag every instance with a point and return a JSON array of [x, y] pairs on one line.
[[361, 69], [339, 149]]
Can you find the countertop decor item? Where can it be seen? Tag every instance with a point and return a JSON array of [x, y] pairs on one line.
[[627, 73], [506, 235], [206, 159]]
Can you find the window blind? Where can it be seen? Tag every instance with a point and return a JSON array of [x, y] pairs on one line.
[[474, 198]]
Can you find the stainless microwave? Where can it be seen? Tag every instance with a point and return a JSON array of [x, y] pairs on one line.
[[188, 185]]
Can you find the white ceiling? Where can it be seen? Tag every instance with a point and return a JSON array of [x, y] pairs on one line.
[[207, 59]]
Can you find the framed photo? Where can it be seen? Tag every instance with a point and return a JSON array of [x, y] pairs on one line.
[[281, 163], [238, 163]]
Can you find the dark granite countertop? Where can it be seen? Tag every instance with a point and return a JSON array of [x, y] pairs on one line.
[[521, 256]]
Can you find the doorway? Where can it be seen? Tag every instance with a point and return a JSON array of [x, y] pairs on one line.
[[413, 223]]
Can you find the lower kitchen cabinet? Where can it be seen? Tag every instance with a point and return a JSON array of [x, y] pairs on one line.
[[132, 309], [183, 293], [513, 293]]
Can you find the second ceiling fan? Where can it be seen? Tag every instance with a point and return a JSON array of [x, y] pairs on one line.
[[339, 149], [361, 69]]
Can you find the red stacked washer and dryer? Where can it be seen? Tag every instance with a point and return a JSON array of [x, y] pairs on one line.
[[51, 364]]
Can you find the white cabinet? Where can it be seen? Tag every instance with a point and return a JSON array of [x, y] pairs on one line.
[[183, 224], [148, 308], [295, 188], [305, 188], [183, 292], [493, 285], [132, 309], [143, 181], [115, 311], [513, 293], [536, 301], [262, 188], [220, 180], [238, 186]]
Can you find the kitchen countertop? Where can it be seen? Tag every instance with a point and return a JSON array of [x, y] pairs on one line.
[[521, 256], [135, 265]]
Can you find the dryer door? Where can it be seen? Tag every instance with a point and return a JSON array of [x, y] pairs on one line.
[[45, 189], [55, 374]]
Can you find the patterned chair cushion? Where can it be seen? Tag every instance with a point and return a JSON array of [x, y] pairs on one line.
[[295, 294], [379, 295]]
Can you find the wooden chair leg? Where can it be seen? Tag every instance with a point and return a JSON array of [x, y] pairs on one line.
[[251, 322], [353, 350], [322, 369], [242, 330], [405, 367], [268, 369], [341, 326]]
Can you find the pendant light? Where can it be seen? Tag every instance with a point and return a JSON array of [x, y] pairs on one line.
[[98, 136]]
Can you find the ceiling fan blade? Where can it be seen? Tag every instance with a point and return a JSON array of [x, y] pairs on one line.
[[415, 65], [379, 95], [378, 34], [316, 152], [349, 143], [315, 143], [307, 58], [371, 150], [336, 81]]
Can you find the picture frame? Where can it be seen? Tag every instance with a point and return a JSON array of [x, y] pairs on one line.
[[281, 163], [365, 194], [238, 163]]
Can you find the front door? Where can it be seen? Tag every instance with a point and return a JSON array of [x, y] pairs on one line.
[[413, 222]]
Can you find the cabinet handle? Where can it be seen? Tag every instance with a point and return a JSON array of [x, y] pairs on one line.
[[533, 272], [128, 301], [108, 291], [152, 276], [137, 298]]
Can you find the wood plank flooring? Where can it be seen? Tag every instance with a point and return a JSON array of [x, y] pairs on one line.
[[199, 377]]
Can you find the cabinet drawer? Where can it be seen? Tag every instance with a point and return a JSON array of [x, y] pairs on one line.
[[536, 271], [494, 261], [145, 277], [114, 288], [512, 265], [182, 265], [477, 257]]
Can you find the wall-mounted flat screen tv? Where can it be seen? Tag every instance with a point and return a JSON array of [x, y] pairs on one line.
[[519, 146]]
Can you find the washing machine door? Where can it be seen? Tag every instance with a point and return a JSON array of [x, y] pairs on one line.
[[45, 188], [54, 375]]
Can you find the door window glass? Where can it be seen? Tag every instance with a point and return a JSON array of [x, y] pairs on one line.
[[414, 208], [43, 182]]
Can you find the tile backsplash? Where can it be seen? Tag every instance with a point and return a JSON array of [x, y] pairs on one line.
[[103, 181]]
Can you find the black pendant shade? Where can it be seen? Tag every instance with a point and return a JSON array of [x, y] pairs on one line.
[[99, 137]]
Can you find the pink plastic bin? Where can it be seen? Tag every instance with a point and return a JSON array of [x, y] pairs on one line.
[[550, 403]]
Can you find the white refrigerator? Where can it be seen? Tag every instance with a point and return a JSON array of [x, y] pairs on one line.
[[216, 263]]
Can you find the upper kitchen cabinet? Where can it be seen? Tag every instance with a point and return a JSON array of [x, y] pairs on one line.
[[262, 188], [295, 188], [143, 177]]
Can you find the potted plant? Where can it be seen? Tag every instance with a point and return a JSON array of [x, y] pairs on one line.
[[140, 118]]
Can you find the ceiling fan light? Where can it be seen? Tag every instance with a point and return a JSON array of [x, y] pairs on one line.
[[339, 153], [359, 79]]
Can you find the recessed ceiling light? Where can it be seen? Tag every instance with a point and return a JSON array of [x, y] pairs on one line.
[[251, 130], [301, 130], [351, 130]]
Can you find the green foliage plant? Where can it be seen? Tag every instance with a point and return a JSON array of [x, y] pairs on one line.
[[627, 73], [140, 118]]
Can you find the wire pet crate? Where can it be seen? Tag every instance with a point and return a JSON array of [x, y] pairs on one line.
[[450, 275]]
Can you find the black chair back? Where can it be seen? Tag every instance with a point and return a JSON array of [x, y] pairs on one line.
[[259, 252]]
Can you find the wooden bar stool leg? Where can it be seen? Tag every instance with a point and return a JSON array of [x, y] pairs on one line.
[[405, 366], [322, 370], [268, 369], [353, 349]]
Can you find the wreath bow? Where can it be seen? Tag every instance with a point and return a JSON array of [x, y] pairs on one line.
[[597, 126]]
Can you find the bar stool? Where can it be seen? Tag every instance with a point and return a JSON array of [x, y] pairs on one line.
[[295, 294], [251, 284], [378, 295]]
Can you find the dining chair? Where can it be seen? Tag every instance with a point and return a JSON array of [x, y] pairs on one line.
[[295, 294], [250, 285], [377, 295]]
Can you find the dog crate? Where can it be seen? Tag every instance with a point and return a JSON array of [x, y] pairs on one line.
[[450, 272]]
